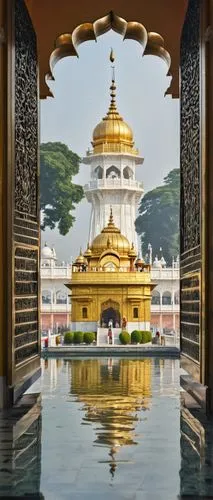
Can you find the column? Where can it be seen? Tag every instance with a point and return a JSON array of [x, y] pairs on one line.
[[174, 322], [3, 166], [161, 324]]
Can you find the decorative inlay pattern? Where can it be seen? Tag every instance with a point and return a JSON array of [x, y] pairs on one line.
[[190, 183], [26, 214], [190, 129], [26, 114]]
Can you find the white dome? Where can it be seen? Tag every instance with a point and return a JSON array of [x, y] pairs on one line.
[[46, 252], [163, 262], [157, 264]]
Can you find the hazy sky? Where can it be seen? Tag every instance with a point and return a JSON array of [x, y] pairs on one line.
[[81, 99]]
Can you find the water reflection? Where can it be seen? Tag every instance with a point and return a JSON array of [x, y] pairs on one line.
[[113, 394], [196, 444], [108, 427], [20, 449]]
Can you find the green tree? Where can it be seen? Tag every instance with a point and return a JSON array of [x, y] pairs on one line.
[[58, 195], [158, 220]]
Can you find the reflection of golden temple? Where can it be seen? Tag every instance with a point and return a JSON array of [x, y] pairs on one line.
[[113, 393]]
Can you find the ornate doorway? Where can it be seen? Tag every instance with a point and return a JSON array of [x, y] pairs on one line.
[[110, 312]]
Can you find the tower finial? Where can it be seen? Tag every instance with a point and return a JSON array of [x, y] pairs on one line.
[[112, 56], [112, 107], [111, 221]]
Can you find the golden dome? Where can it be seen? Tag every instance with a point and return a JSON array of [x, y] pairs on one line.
[[110, 237], [88, 251], [132, 252], [139, 262], [80, 259], [113, 134]]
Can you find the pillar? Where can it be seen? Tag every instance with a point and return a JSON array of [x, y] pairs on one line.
[[196, 266], [19, 208], [173, 324], [161, 324], [191, 193], [3, 125]]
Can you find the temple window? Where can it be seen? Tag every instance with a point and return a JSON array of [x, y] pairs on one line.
[[176, 297], [61, 297], [127, 173], [84, 312], [156, 298], [113, 173], [98, 173], [46, 297], [135, 312], [166, 299]]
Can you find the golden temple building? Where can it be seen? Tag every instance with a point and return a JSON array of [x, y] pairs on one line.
[[110, 286]]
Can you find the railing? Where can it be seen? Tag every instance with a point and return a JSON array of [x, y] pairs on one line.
[[103, 270], [56, 272], [167, 308], [55, 308], [113, 183], [113, 148], [165, 274]]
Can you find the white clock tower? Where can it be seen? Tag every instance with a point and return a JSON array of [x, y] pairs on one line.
[[113, 161]]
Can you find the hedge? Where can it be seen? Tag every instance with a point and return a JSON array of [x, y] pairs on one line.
[[136, 337], [146, 336], [68, 338], [124, 338], [89, 337], [78, 337]]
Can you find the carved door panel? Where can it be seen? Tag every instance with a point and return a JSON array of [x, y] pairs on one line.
[[23, 214], [190, 216]]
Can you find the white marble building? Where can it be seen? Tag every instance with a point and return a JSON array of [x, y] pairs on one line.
[[56, 303]]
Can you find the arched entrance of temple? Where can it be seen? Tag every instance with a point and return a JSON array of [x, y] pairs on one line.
[[110, 311], [111, 314]]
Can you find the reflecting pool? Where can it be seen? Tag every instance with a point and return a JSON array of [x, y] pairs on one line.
[[102, 428]]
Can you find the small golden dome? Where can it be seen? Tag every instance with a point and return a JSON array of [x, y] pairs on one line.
[[110, 238], [132, 252], [88, 251], [139, 262], [80, 259], [113, 134]]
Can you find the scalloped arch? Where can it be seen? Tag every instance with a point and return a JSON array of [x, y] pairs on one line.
[[67, 43]]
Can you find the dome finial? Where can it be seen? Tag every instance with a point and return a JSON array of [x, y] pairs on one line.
[[112, 57], [111, 221], [112, 107]]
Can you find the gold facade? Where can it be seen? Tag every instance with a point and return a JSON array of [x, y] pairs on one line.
[[109, 276]]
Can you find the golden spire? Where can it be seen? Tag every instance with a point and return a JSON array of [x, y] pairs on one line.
[[111, 220], [112, 57], [112, 107], [112, 134]]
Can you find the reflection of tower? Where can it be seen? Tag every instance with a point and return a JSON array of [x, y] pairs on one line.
[[113, 162], [55, 366], [20, 449], [113, 393]]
